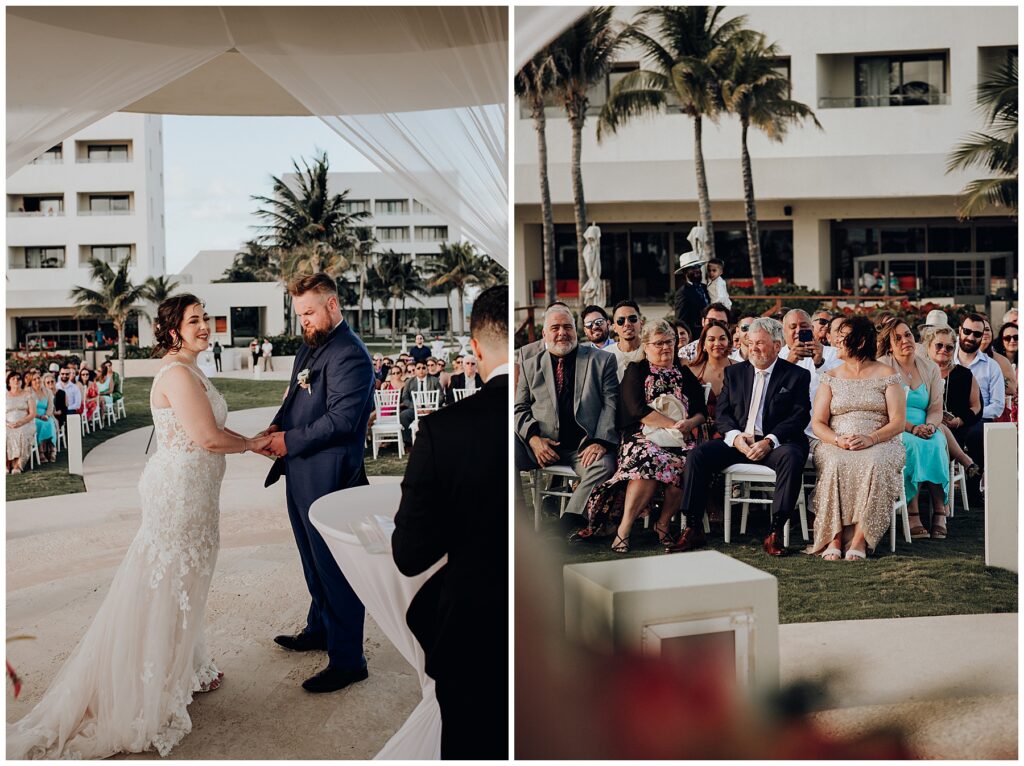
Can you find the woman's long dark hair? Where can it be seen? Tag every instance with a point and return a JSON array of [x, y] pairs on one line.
[[702, 353], [169, 317]]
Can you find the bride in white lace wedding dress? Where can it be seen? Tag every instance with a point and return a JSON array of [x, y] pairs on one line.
[[127, 685]]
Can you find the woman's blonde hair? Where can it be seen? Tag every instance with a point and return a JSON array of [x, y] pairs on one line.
[[657, 327]]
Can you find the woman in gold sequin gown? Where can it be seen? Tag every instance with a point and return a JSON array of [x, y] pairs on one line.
[[859, 413]]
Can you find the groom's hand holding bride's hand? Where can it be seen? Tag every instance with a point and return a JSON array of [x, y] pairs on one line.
[[259, 443]]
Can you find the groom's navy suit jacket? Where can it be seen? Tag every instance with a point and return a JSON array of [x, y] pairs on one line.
[[325, 425]]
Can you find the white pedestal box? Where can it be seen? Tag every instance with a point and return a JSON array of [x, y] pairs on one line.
[[1001, 494], [655, 604]]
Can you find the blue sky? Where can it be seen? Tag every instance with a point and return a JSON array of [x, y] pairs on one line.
[[213, 164]]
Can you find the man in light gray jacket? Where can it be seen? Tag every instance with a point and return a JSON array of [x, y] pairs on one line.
[[565, 408]]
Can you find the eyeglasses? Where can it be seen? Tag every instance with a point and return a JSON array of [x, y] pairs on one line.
[[822, 322], [744, 327], [944, 347], [975, 333], [661, 343], [632, 319], [594, 323], [1010, 339]]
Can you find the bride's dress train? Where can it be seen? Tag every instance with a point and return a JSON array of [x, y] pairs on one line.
[[127, 685]]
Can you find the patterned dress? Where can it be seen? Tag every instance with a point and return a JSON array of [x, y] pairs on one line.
[[640, 458], [856, 486]]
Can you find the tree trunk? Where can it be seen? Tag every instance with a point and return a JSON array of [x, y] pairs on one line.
[[547, 216], [120, 347], [749, 207], [577, 115], [462, 309], [703, 197], [362, 295], [448, 303], [394, 318]]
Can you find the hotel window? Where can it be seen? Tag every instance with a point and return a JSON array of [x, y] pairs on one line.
[[109, 204], [36, 258], [419, 207], [903, 80], [599, 94], [782, 67], [37, 205], [106, 153], [393, 233], [111, 254], [355, 206], [391, 206], [52, 156], [432, 233]]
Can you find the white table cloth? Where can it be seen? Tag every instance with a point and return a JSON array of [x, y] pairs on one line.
[[355, 524]]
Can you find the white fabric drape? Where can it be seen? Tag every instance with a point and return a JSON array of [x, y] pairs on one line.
[[419, 90], [538, 25]]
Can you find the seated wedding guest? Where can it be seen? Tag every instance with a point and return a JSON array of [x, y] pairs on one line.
[[683, 336], [644, 464], [936, 318], [440, 514], [710, 365], [1006, 343], [105, 385], [395, 381], [470, 379], [46, 429], [457, 364], [692, 295], [881, 317], [597, 327], [927, 457], [60, 401], [809, 354], [989, 376], [21, 428], [72, 392], [421, 381], [859, 413], [565, 408], [629, 324], [1009, 374], [820, 321], [739, 354], [762, 412], [537, 347], [961, 398], [90, 393], [434, 367], [713, 312], [116, 389], [1010, 317]]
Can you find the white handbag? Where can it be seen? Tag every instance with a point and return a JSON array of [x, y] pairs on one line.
[[671, 407]]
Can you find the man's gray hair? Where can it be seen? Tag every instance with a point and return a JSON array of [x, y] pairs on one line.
[[469, 358], [799, 312], [766, 324], [559, 310]]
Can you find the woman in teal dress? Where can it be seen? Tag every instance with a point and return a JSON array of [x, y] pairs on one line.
[[46, 432], [105, 385], [927, 454]]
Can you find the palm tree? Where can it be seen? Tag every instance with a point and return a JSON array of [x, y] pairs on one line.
[[688, 45], [581, 57], [533, 84], [254, 262], [362, 243], [995, 149], [159, 289], [758, 93], [402, 279], [116, 299], [455, 266], [377, 289]]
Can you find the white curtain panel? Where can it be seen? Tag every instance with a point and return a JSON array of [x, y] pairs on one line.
[[538, 25]]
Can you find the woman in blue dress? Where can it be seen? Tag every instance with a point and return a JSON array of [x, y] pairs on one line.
[[46, 431], [927, 454]]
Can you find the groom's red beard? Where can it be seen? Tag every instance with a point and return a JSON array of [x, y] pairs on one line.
[[315, 337]]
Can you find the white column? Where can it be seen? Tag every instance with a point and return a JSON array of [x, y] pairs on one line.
[[74, 433], [1001, 496]]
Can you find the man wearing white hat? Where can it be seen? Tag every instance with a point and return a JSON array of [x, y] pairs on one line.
[[692, 296]]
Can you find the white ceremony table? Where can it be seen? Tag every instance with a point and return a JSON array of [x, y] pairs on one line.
[[362, 548]]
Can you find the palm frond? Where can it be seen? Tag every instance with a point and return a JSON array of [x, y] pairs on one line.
[[983, 193]]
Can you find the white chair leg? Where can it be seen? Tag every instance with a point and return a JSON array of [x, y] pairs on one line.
[[892, 530], [785, 535], [375, 438], [707, 525], [963, 487], [802, 506], [401, 445], [727, 509], [744, 492], [906, 512]]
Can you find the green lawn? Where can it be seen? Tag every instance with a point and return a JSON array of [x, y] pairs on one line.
[[54, 479], [927, 577]]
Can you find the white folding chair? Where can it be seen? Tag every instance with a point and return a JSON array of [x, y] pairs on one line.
[[109, 413], [96, 421], [423, 403], [558, 472], [120, 411], [462, 393], [755, 478], [386, 428], [33, 454], [85, 425], [899, 505], [62, 437], [957, 476]]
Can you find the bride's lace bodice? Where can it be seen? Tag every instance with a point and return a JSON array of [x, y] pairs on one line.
[[170, 434]]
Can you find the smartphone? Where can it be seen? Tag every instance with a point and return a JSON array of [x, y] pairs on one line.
[[806, 336]]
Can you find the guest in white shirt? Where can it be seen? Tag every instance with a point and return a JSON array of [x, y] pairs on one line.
[[712, 312], [267, 348], [72, 393], [820, 321], [739, 354], [718, 291], [629, 324], [986, 371], [597, 327], [809, 354]]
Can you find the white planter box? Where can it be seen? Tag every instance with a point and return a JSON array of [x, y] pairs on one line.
[[1001, 492]]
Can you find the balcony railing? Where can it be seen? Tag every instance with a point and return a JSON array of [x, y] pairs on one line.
[[106, 212], [47, 160], [102, 160], [846, 102], [33, 214]]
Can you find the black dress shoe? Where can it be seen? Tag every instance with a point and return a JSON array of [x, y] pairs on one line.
[[332, 679], [303, 642]]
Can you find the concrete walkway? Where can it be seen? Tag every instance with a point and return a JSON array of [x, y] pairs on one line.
[[61, 556]]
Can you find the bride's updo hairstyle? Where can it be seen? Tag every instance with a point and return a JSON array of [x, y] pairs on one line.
[[169, 317]]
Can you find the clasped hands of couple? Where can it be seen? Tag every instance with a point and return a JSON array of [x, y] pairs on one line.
[[269, 443]]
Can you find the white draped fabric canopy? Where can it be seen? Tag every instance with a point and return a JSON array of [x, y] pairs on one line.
[[420, 91], [538, 25]]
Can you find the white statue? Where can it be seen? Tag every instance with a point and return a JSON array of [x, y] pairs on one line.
[[698, 239], [592, 291]]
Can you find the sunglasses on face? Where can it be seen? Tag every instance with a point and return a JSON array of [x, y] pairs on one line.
[[1010, 339], [632, 319], [822, 322], [594, 323], [944, 347], [744, 327], [975, 333]]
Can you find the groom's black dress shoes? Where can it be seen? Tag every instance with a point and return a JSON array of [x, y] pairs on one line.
[[332, 679], [303, 642]]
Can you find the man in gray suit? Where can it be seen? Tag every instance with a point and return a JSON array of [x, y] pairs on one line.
[[406, 410], [565, 408]]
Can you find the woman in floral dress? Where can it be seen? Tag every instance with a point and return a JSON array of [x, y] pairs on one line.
[[645, 466]]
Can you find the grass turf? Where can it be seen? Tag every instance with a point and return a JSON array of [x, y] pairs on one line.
[[54, 479], [925, 578]]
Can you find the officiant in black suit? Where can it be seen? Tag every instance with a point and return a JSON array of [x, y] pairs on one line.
[[762, 412], [454, 502]]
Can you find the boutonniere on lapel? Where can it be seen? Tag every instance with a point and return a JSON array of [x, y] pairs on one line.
[[303, 380]]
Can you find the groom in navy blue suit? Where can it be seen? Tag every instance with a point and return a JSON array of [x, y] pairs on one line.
[[318, 438]]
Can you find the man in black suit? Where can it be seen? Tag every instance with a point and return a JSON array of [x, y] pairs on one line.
[[692, 296], [423, 382], [454, 501], [470, 378], [762, 412]]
